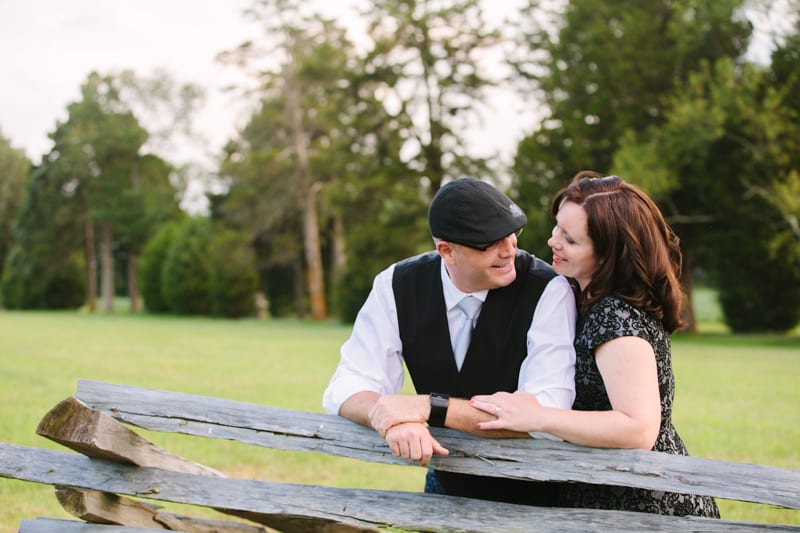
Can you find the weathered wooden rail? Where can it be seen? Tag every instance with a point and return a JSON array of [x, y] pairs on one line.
[[115, 463]]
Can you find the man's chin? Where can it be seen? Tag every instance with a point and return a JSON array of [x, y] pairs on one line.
[[505, 279]]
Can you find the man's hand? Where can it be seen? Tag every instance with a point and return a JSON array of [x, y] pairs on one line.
[[389, 411], [413, 441]]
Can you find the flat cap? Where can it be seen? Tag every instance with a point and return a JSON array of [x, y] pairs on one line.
[[468, 210]]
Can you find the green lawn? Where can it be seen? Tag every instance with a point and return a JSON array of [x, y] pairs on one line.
[[736, 396]]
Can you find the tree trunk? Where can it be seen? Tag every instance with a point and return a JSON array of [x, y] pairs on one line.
[[338, 259], [107, 268], [339, 248], [91, 267], [311, 243], [299, 287], [316, 279], [687, 281], [133, 283]]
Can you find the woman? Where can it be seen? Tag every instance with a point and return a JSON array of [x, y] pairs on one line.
[[611, 240]]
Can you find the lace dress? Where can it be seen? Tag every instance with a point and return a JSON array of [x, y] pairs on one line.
[[606, 320]]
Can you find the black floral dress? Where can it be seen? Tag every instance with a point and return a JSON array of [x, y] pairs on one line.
[[609, 319]]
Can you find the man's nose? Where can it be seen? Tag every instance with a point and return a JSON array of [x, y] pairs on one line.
[[509, 244]]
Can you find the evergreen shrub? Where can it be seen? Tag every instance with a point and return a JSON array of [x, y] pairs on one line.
[[187, 270], [234, 280], [151, 267], [30, 284]]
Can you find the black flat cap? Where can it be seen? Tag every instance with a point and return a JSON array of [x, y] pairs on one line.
[[468, 210]]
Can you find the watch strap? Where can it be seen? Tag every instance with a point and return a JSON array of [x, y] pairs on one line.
[[439, 404]]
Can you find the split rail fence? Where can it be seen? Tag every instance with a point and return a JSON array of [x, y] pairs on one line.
[[110, 483]]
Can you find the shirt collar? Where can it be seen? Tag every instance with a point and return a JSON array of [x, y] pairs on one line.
[[452, 295]]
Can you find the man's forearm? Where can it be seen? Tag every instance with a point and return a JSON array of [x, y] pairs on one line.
[[460, 415], [358, 406], [463, 417]]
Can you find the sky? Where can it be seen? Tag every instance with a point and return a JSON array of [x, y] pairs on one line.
[[50, 46]]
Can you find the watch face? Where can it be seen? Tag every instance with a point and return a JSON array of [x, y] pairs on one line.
[[439, 399]]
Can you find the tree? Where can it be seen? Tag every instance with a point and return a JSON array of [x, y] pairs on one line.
[[97, 176], [186, 273], [46, 235], [292, 95], [606, 70], [96, 150], [730, 136], [14, 172], [151, 268], [427, 57], [234, 280], [341, 166], [149, 202]]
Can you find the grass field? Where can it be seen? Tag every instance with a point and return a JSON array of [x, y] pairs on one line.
[[737, 397]]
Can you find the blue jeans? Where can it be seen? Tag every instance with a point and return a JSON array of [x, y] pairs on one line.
[[432, 483]]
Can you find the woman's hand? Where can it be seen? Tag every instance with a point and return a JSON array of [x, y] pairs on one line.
[[519, 411]]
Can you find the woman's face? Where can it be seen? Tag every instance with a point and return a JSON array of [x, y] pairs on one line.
[[573, 250]]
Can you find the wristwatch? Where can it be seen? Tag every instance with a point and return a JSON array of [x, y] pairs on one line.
[[439, 404]]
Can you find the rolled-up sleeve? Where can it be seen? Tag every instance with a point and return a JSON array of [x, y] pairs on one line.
[[371, 359], [548, 372]]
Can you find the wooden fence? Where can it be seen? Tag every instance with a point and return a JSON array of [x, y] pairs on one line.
[[118, 472]]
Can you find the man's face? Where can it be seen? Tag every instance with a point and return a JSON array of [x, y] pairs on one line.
[[473, 270]]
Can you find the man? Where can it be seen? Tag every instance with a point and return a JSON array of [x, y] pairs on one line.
[[524, 322]]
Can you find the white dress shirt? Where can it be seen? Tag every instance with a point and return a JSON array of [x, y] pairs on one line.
[[371, 359]]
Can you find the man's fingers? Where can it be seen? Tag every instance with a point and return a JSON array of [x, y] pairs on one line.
[[438, 449]]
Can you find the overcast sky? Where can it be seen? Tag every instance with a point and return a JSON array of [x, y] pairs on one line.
[[50, 46]]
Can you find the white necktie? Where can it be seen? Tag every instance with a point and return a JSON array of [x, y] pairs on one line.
[[469, 305]]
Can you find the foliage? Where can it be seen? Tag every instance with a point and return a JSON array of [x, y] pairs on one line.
[[675, 110], [605, 69], [351, 145], [731, 136], [146, 204], [187, 271], [14, 171], [194, 267], [330, 177], [304, 101], [234, 281], [46, 236], [396, 228], [95, 181], [426, 58], [26, 284], [66, 288], [151, 268]]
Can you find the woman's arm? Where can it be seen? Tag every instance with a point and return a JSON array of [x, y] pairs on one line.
[[628, 368]]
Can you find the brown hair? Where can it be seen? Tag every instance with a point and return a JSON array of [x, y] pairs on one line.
[[639, 259]]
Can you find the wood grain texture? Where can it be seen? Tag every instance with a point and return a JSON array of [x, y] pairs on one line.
[[94, 433], [355, 507], [104, 508]]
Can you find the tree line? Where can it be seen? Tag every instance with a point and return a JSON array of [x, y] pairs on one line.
[[329, 179]]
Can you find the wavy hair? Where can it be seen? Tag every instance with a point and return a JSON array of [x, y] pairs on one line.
[[639, 257]]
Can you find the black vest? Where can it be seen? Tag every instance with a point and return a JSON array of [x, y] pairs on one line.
[[497, 349]]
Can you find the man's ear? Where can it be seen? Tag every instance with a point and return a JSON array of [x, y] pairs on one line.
[[445, 251]]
